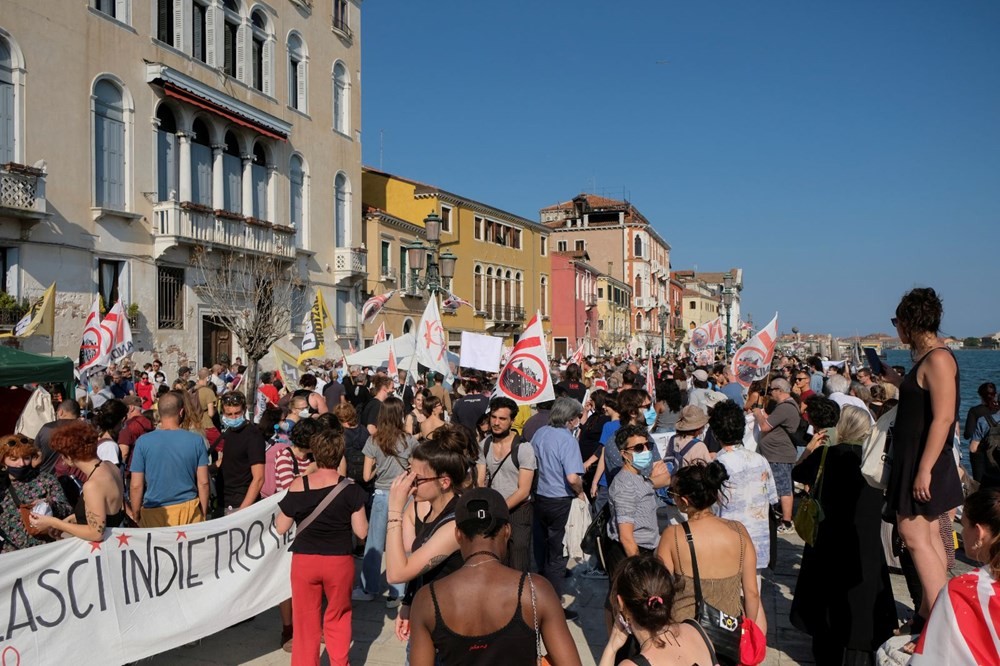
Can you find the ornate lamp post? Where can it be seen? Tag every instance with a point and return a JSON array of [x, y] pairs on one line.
[[664, 320], [728, 289], [429, 267]]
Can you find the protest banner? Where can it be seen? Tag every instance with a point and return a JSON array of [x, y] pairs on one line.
[[480, 352], [95, 345], [752, 361], [313, 337], [141, 591], [380, 334], [39, 319], [115, 325], [708, 335], [525, 378]]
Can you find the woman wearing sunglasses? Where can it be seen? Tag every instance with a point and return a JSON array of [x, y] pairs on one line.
[[421, 545]]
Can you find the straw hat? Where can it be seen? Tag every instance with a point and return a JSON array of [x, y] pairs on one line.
[[692, 418]]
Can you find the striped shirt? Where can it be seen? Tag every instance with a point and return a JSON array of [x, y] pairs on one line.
[[284, 470]]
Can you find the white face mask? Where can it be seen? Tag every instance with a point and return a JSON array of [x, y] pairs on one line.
[[304, 413]]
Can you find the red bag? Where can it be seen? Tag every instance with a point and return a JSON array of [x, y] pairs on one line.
[[753, 643]]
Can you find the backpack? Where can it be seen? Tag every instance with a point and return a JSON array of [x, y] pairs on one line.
[[513, 455], [278, 442], [673, 458], [876, 453], [992, 442]]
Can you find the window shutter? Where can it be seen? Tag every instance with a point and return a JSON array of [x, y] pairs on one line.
[[242, 36], [116, 164], [301, 101], [122, 12], [212, 36], [164, 29], [100, 161], [7, 135], [268, 67], [228, 64], [197, 35], [178, 24]]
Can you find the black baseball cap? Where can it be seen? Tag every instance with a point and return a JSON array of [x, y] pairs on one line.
[[481, 510]]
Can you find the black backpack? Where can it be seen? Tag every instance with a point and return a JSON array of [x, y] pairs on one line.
[[992, 442], [513, 455]]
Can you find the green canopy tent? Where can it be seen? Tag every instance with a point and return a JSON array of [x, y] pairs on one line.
[[19, 367]]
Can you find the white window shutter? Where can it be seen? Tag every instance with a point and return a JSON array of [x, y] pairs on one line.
[[268, 67], [242, 37], [213, 22], [122, 11], [302, 101], [179, 36]]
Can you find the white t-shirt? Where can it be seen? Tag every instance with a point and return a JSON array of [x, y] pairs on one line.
[[108, 450]]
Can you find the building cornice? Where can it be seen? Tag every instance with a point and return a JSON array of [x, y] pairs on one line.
[[388, 220]]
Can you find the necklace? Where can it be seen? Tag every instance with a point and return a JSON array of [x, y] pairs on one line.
[[493, 558]]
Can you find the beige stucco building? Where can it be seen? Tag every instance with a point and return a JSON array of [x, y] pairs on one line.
[[162, 126]]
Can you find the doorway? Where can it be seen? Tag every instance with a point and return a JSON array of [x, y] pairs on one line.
[[216, 343]]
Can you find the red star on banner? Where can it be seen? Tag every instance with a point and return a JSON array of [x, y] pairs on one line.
[[181, 535], [95, 545], [123, 539]]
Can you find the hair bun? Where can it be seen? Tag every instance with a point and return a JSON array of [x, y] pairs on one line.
[[716, 473]]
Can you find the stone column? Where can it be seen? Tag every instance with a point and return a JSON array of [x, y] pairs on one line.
[[184, 166], [247, 185], [218, 177]]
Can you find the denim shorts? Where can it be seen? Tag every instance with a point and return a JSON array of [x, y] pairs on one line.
[[782, 473]]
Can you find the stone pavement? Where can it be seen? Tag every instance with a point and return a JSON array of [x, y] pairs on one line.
[[375, 643]]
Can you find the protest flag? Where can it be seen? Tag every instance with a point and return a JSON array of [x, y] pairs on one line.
[[708, 334], [752, 361], [380, 335], [577, 356], [452, 303], [374, 305], [95, 345], [650, 378], [351, 348], [313, 339], [432, 341], [393, 368], [525, 378], [288, 366], [40, 318], [116, 326]]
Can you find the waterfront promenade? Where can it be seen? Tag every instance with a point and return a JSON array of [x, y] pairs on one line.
[[375, 643]]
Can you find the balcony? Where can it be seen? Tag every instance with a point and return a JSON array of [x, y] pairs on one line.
[[339, 25], [189, 224], [22, 193], [349, 332], [387, 274], [591, 301], [504, 317], [350, 264]]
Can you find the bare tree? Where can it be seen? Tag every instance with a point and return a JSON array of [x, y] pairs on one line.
[[251, 295]]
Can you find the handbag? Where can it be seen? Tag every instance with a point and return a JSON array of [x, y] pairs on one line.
[[724, 631], [25, 511], [876, 452], [810, 514], [540, 659], [591, 542], [753, 643]]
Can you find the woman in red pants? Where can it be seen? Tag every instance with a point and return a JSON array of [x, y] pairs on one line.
[[322, 563]]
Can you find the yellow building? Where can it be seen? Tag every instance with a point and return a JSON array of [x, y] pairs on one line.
[[614, 312], [503, 268]]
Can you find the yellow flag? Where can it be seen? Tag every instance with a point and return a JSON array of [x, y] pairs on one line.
[[40, 318], [289, 367], [313, 339]]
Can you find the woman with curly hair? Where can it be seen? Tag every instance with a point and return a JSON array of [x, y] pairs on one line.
[[924, 481], [102, 500], [642, 600], [24, 484]]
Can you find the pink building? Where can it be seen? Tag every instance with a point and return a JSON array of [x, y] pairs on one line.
[[574, 304]]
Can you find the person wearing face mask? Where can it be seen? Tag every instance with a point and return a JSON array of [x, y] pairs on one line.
[[241, 450], [24, 484]]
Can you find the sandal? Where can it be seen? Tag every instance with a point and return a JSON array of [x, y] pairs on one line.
[[912, 627]]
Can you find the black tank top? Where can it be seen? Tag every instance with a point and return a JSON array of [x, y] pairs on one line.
[[423, 531], [513, 643]]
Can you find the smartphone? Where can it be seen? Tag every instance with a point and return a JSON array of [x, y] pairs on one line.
[[874, 362]]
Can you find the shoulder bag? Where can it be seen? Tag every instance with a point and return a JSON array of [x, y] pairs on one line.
[[724, 631], [25, 511], [540, 659], [810, 514], [876, 452], [591, 542], [327, 501]]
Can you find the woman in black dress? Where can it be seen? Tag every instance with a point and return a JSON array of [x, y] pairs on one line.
[[843, 596], [924, 481]]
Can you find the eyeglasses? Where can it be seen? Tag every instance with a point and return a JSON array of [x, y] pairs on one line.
[[418, 481], [895, 321], [639, 448], [801, 378]]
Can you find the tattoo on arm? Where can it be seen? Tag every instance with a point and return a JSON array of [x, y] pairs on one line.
[[95, 521], [436, 560]]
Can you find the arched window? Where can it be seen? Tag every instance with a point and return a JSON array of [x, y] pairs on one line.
[[489, 292], [109, 145], [407, 325], [638, 285], [298, 81], [506, 288], [201, 164], [166, 154], [342, 208], [297, 198], [518, 291], [8, 101], [341, 99], [544, 305], [262, 48], [258, 174], [477, 289], [638, 321], [232, 175], [232, 45], [638, 246]]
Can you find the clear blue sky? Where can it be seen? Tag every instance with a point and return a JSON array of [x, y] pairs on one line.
[[840, 152]]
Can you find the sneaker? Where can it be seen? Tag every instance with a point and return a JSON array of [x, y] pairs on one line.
[[357, 594], [785, 527], [571, 615], [393, 602]]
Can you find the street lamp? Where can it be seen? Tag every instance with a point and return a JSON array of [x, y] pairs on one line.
[[664, 318], [728, 288], [439, 266]]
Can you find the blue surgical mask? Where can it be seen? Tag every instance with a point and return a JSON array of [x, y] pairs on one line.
[[650, 415], [232, 423], [642, 459]]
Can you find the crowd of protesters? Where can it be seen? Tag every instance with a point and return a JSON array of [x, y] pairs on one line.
[[459, 508]]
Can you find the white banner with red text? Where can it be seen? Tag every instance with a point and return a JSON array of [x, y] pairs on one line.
[[140, 591]]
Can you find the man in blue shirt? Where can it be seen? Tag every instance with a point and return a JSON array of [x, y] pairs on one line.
[[560, 479], [723, 376]]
